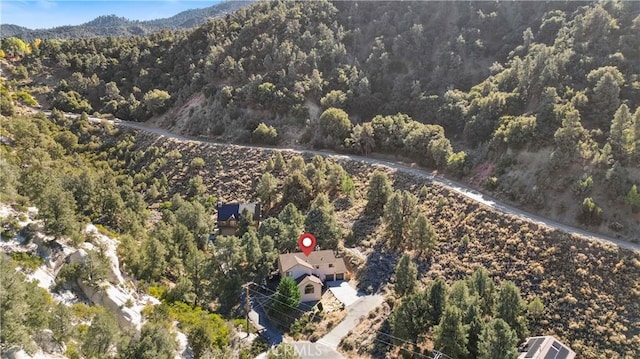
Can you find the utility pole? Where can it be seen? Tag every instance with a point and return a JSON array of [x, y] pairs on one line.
[[247, 303]]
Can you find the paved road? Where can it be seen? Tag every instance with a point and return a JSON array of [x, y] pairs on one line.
[[458, 187], [355, 312]]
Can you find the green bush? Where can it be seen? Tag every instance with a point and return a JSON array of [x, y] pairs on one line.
[[590, 212], [25, 98], [264, 134], [71, 101], [197, 162]]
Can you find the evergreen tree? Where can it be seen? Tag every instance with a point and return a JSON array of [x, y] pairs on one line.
[[60, 323], [422, 235], [409, 319], [153, 261], [397, 215], [378, 193], [101, 335], [636, 135], [14, 306], [322, 223], [498, 341], [620, 136], [605, 97], [244, 223], [437, 298], [483, 288], [279, 233], [287, 296], [475, 327], [156, 341], [450, 336], [57, 209], [459, 295], [266, 189], [406, 276], [633, 199], [568, 137], [253, 253], [197, 269], [279, 163], [511, 308], [297, 189]]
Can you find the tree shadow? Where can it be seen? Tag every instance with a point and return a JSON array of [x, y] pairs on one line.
[[378, 269], [362, 228]]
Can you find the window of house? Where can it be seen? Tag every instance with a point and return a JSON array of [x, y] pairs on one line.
[[309, 289], [330, 265]]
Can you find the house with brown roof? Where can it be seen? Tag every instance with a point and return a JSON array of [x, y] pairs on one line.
[[311, 272], [544, 347]]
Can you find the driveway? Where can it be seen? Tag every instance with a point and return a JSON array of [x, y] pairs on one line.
[[343, 292], [355, 312]]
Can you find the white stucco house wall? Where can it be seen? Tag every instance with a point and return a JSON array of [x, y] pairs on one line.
[[310, 272]]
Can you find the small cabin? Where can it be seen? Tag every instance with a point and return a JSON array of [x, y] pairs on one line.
[[229, 216]]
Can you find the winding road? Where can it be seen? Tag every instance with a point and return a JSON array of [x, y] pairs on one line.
[[452, 185]]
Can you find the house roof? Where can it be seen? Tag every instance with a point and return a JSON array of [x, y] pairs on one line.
[[544, 347], [308, 278], [228, 210], [289, 260]]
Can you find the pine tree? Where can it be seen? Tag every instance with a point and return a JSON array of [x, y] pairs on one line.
[[321, 222], [266, 189], [605, 97], [378, 193], [459, 295], [409, 319], [253, 254], [422, 234], [297, 189], [406, 276], [511, 308], [156, 341], [450, 336], [475, 327], [244, 223], [498, 341], [397, 216], [101, 335], [57, 208], [483, 288], [437, 298], [287, 296], [620, 136], [278, 163]]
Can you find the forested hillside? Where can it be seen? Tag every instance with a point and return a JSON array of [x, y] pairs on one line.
[[112, 25], [156, 198], [536, 102]]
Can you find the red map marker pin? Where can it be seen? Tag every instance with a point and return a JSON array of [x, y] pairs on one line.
[[307, 242]]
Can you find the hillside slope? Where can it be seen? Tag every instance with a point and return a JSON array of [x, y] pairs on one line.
[[111, 25], [535, 102]]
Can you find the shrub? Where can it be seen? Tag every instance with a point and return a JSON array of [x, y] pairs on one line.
[[590, 213], [264, 134], [197, 162], [25, 98], [71, 101], [633, 199]]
